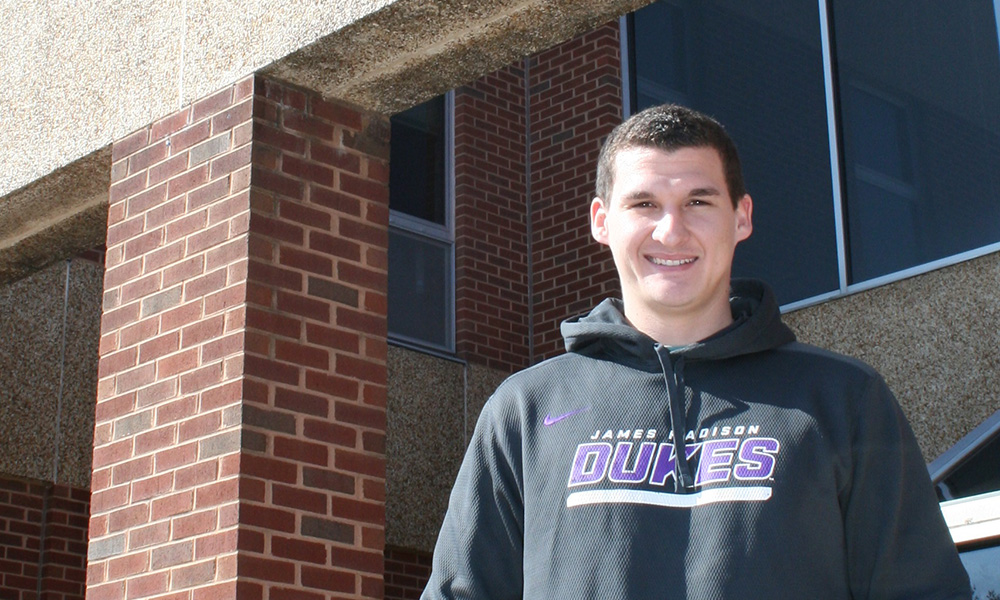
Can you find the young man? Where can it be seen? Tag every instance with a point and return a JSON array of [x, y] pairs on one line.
[[686, 446]]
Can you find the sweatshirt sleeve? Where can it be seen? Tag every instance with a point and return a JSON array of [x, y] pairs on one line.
[[480, 548], [898, 545]]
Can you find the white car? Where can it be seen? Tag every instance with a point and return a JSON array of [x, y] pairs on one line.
[[967, 478]]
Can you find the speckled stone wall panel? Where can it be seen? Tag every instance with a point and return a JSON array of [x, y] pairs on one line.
[[42, 437], [433, 404], [935, 338]]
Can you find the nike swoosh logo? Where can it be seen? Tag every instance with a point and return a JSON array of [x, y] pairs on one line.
[[550, 420]]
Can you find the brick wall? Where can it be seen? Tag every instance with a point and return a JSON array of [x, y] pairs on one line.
[[491, 264], [406, 573], [166, 442], [239, 442], [313, 484], [56, 565], [576, 100]]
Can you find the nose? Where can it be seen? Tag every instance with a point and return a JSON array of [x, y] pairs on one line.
[[670, 228]]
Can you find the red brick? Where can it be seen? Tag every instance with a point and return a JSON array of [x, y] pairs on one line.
[[301, 402], [354, 230], [356, 462], [177, 409], [268, 518], [312, 172], [201, 378], [183, 139], [269, 468], [148, 585], [232, 117], [332, 338], [132, 470], [303, 307], [341, 387], [215, 545], [150, 487], [214, 494], [129, 517], [333, 580], [364, 278], [267, 569], [300, 451], [195, 524], [354, 510], [129, 144], [330, 433], [334, 246], [363, 370], [277, 183], [195, 475], [306, 261], [177, 363], [299, 550], [211, 105], [364, 188], [337, 201], [335, 156]]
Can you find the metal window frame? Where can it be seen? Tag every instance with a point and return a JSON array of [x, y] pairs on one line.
[[844, 287], [445, 234]]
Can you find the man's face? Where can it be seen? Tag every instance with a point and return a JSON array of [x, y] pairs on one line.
[[672, 230]]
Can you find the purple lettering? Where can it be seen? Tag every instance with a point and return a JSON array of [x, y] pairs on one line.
[[590, 463], [638, 472], [756, 458], [716, 456], [663, 468]]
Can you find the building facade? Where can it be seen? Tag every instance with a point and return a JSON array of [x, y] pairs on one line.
[[263, 380]]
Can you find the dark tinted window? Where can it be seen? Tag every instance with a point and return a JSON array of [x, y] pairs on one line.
[[919, 90], [417, 154], [419, 288], [757, 68], [976, 474], [421, 270]]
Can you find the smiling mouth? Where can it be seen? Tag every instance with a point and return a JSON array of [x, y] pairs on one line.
[[671, 263]]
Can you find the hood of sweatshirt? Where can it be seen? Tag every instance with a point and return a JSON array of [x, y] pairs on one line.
[[757, 327]]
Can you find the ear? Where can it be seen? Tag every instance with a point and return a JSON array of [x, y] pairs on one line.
[[744, 218], [598, 221]]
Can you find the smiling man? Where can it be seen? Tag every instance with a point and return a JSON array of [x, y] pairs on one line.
[[686, 446]]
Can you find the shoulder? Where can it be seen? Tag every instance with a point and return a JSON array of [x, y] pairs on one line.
[[821, 361], [547, 384]]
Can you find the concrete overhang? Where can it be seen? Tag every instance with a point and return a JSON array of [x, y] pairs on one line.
[[146, 62]]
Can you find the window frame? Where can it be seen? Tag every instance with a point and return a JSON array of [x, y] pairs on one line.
[[415, 227], [845, 288]]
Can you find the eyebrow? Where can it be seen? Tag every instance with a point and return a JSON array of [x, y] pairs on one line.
[[637, 195], [704, 191]]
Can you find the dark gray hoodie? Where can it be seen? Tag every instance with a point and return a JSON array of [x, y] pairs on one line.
[[802, 479]]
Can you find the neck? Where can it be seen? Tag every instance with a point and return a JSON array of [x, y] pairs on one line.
[[681, 328]]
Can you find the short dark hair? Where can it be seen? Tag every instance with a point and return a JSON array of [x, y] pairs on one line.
[[670, 127]]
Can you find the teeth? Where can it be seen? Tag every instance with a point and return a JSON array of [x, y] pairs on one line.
[[671, 263]]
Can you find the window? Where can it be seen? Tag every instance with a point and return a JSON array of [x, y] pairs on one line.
[[868, 130], [421, 239]]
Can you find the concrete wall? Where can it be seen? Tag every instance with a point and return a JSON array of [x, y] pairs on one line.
[[47, 433], [934, 338], [80, 75]]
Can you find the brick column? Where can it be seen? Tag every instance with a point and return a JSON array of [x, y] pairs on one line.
[[576, 100], [241, 415]]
